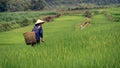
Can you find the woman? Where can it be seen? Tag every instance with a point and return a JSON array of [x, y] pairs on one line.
[[38, 31]]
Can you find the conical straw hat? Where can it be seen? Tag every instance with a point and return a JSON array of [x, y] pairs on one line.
[[39, 21]]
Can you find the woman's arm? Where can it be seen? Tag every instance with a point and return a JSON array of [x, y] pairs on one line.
[[41, 34]]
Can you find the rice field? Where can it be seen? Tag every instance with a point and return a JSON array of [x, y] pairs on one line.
[[66, 46]]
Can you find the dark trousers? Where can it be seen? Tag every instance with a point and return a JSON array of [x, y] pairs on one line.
[[38, 41]]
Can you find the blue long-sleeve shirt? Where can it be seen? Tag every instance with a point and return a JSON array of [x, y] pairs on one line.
[[38, 31]]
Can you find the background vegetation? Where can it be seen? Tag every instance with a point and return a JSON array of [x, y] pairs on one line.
[[12, 20], [20, 5], [25, 5]]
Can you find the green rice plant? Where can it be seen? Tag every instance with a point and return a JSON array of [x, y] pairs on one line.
[[96, 46], [113, 14]]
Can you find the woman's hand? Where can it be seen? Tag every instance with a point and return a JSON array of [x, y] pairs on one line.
[[42, 39]]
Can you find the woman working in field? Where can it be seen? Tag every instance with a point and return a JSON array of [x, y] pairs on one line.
[[38, 31]]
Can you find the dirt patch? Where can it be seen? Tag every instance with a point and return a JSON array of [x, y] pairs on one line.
[[51, 18]]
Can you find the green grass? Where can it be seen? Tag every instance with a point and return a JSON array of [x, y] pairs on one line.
[[114, 10], [114, 13], [96, 46]]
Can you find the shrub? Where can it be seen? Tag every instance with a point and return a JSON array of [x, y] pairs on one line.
[[116, 19], [88, 14], [14, 25], [25, 22]]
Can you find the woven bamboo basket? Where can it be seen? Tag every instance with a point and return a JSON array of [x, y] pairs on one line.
[[29, 38]]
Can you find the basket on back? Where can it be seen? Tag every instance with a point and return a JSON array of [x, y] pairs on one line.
[[29, 38]]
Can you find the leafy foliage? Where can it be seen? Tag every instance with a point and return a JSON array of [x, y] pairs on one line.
[[12, 20], [21, 5]]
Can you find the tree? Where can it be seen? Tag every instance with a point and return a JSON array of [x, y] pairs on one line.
[[88, 14], [16, 5], [37, 4], [21, 5], [3, 5]]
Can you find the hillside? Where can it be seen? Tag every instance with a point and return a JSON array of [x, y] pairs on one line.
[[98, 2], [25, 5], [71, 3]]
